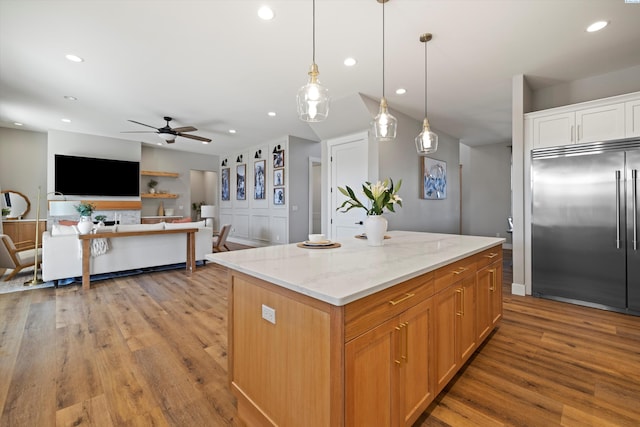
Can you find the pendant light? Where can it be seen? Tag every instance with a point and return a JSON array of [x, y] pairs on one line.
[[384, 124], [313, 98], [426, 141]]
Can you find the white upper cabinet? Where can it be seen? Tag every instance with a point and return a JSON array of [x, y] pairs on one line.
[[632, 118], [602, 120]]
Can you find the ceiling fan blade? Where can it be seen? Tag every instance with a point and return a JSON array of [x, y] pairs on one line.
[[185, 129], [138, 131], [149, 126], [196, 137]]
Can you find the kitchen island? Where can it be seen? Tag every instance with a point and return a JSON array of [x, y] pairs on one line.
[[356, 335]]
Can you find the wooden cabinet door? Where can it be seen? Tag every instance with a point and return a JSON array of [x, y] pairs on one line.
[[496, 294], [466, 334], [372, 363], [553, 130], [416, 382], [600, 123], [484, 316], [445, 312]]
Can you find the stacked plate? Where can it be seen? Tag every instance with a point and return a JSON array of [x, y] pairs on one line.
[[318, 243]]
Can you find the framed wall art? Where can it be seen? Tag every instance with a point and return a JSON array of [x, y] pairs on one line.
[[278, 177], [278, 196], [278, 159], [434, 179], [226, 182], [259, 181], [241, 174]]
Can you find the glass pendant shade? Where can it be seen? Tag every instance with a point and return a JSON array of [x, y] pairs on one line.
[[313, 99], [426, 141], [384, 124]]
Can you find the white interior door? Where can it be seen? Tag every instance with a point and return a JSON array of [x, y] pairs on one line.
[[348, 166]]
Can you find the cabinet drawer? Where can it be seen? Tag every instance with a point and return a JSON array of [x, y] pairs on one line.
[[454, 272], [368, 312], [489, 256]]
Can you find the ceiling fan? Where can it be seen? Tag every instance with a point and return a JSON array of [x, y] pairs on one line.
[[169, 134]]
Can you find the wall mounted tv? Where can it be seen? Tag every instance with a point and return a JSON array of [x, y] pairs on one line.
[[88, 176]]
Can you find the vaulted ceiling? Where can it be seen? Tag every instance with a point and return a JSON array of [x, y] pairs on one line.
[[217, 66]]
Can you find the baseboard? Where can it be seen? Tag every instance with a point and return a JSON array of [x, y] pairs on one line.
[[518, 289]]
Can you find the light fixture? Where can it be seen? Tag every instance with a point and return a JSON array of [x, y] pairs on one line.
[[401, 91], [350, 62], [232, 131], [258, 154], [597, 26], [74, 58], [271, 114], [167, 136], [239, 159], [208, 212], [266, 13], [313, 98], [70, 98], [18, 124], [62, 208], [224, 163], [66, 120], [384, 124], [426, 141], [276, 149]]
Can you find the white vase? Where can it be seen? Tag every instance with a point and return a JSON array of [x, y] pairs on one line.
[[85, 225], [375, 226]]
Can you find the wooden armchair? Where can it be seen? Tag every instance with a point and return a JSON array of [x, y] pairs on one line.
[[221, 238], [17, 256]]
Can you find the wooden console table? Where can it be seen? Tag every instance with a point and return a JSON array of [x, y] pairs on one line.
[[86, 249]]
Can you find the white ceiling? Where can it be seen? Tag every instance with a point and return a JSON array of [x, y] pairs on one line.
[[215, 65]]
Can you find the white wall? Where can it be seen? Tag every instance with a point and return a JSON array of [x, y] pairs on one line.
[[486, 184], [23, 165]]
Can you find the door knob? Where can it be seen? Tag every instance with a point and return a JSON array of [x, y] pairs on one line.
[[359, 223]]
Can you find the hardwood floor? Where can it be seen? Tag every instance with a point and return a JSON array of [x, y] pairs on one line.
[[150, 350]]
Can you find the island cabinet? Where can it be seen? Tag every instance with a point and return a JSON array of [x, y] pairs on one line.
[[300, 358]]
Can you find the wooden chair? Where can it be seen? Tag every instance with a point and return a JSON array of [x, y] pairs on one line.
[[221, 239], [17, 256]]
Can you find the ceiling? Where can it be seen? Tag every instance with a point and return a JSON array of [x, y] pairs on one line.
[[215, 65]]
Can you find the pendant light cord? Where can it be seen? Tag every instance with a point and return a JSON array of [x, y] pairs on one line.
[[425, 79], [383, 49], [314, 32]]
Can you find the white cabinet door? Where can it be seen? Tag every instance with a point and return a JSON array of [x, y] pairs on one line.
[[553, 130], [600, 123], [632, 121]]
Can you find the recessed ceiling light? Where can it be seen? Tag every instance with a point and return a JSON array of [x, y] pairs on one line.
[[272, 113], [350, 62], [74, 58], [66, 120], [401, 91], [266, 13], [70, 98], [232, 131], [597, 26], [17, 124]]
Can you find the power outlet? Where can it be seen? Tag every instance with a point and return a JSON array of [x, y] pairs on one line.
[[269, 314]]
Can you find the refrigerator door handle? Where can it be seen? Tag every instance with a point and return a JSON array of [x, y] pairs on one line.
[[617, 209], [634, 191]]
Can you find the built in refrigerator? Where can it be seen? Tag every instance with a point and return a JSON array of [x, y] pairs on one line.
[[584, 228]]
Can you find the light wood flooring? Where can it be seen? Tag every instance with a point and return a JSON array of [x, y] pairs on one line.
[[150, 350]]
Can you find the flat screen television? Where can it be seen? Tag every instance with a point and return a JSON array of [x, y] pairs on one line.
[[89, 176]]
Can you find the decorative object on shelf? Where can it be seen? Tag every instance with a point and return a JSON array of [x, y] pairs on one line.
[[278, 196], [258, 154], [278, 177], [241, 174], [85, 225], [85, 209], [5, 212], [208, 212], [152, 186], [161, 209], [259, 180], [101, 219], [226, 184], [278, 159], [313, 98], [381, 195], [434, 179], [426, 141], [196, 207], [168, 212], [384, 124]]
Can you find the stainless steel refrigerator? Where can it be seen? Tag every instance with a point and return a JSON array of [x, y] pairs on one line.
[[584, 230]]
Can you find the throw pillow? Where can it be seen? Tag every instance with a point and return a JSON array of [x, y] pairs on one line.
[[61, 230], [185, 219], [67, 222]]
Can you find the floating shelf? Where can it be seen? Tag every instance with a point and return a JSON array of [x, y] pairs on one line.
[[159, 196], [160, 173]]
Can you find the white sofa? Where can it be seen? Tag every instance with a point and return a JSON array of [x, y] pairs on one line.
[[62, 256]]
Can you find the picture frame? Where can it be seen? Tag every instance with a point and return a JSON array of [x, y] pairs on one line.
[[278, 159], [278, 196], [278, 177], [241, 183], [434, 179], [260, 180], [226, 184]]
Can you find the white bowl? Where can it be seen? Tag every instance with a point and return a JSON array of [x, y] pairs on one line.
[[314, 238]]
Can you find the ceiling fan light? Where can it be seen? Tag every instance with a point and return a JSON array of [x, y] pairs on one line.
[[426, 141], [313, 99], [167, 136], [384, 124]]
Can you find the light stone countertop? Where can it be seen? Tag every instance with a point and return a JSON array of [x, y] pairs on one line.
[[341, 275]]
